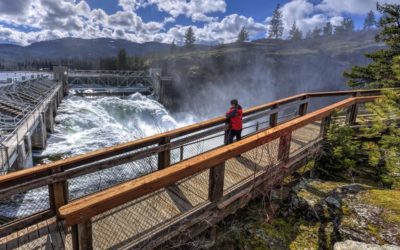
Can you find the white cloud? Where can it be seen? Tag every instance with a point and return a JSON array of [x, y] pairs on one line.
[[195, 9], [50, 19], [224, 31], [351, 6]]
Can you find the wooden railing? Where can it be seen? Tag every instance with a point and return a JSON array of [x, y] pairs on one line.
[[163, 148], [81, 211]]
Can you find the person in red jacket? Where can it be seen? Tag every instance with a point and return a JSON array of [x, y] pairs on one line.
[[235, 115]]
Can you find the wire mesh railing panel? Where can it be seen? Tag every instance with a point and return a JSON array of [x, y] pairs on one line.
[[197, 147], [100, 180], [24, 204], [364, 114], [304, 136], [194, 189], [123, 224], [250, 163], [47, 234]]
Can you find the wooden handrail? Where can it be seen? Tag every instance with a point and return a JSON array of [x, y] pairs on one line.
[[43, 170], [85, 208]]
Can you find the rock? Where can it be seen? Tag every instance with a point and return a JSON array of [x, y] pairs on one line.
[[371, 216], [354, 245], [359, 212]]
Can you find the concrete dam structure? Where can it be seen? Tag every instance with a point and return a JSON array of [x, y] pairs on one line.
[[170, 186], [28, 107], [27, 112]]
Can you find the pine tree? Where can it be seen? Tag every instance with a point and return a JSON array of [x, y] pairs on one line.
[[122, 61], [172, 48], [328, 29], [243, 35], [369, 22], [316, 32], [189, 38], [383, 137], [309, 34], [380, 73], [276, 24], [345, 27], [295, 33]]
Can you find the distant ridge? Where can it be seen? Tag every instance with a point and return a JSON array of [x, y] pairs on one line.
[[78, 48]]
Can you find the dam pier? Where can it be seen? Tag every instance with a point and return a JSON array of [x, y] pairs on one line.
[[27, 112]]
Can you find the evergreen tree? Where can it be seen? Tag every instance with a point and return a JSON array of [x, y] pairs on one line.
[[173, 47], [295, 33], [346, 26], [122, 61], [189, 38], [243, 35], [309, 34], [316, 32], [380, 73], [369, 22], [328, 29], [382, 144], [276, 24]]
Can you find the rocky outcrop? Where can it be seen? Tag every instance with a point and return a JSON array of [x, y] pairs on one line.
[[358, 212], [354, 245]]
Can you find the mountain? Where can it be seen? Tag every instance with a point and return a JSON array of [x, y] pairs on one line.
[[78, 48]]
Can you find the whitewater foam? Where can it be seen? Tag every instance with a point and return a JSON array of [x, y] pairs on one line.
[[85, 124]]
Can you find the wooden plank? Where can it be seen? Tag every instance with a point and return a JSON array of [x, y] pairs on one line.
[[24, 222], [303, 108], [54, 234], [216, 182], [84, 235], [58, 193], [164, 157], [284, 147], [351, 115], [44, 233], [89, 206]]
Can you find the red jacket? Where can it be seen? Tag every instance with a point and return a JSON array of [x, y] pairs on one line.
[[235, 118]]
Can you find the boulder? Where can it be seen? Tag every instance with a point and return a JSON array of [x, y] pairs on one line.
[[355, 245], [358, 212]]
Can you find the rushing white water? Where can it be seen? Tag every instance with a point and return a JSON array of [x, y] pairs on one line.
[[85, 124]]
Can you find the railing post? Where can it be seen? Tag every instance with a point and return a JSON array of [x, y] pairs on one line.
[[303, 107], [326, 122], [181, 153], [82, 236], [352, 112], [284, 147], [226, 135], [164, 157], [58, 193], [273, 118], [216, 182]]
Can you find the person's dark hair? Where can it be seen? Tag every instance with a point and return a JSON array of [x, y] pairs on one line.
[[234, 102]]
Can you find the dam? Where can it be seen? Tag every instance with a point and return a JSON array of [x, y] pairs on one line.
[[28, 107]]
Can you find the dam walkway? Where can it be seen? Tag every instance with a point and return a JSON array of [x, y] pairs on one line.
[[170, 186], [27, 111]]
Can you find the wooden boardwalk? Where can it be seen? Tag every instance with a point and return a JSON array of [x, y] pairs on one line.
[[135, 220]]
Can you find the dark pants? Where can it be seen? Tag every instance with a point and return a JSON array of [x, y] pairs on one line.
[[234, 133]]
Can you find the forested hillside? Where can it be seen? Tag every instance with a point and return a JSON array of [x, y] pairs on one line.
[[262, 70]]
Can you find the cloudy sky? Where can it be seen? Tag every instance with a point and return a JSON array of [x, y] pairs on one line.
[[214, 21]]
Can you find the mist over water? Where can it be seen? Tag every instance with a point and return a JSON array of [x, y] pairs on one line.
[[84, 124]]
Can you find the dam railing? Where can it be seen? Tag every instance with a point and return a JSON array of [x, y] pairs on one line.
[[21, 105], [144, 189]]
